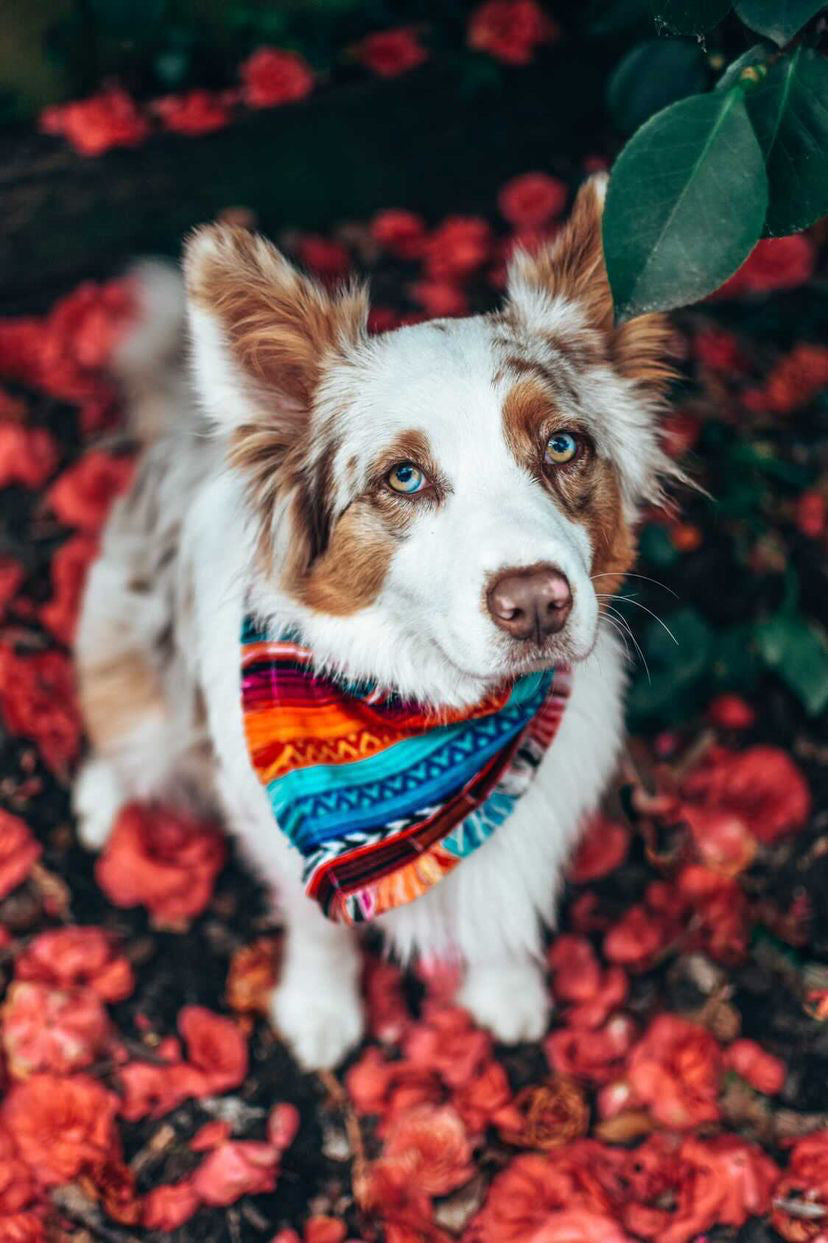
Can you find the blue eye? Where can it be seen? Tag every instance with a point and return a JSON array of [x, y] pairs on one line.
[[407, 478], [561, 447]]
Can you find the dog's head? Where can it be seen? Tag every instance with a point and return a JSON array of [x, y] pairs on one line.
[[445, 505]]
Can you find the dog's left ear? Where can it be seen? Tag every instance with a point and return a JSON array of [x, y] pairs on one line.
[[551, 290], [261, 331]]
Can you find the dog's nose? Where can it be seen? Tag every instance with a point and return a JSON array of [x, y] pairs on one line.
[[530, 604]]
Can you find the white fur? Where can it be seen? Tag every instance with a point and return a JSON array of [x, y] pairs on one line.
[[427, 634]]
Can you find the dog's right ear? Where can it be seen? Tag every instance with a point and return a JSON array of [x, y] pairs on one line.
[[261, 332]]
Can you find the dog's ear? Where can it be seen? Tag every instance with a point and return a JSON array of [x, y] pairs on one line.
[[261, 332], [565, 282]]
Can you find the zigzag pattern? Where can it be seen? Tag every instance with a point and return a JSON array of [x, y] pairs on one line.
[[382, 802]]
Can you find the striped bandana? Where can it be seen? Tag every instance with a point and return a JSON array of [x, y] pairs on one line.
[[382, 797]]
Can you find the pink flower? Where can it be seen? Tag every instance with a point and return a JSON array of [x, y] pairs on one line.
[[167, 862], [430, 1144], [82, 496], [215, 1046], [18, 852], [62, 1125], [77, 957], [674, 1071], [237, 1168], [49, 1029], [169, 1206]]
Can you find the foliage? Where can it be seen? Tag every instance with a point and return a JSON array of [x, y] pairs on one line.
[[704, 178]]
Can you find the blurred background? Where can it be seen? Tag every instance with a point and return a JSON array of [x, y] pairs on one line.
[[417, 143]]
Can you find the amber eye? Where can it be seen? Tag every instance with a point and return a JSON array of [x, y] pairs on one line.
[[561, 448], [406, 478]]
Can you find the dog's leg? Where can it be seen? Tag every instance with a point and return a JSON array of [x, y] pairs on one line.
[[317, 1006], [509, 996]]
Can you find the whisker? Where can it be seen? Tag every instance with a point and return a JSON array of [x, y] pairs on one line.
[[612, 614], [638, 605], [644, 577]]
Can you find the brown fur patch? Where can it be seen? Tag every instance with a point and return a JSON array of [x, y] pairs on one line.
[[588, 491], [572, 266], [116, 695], [281, 326], [350, 573]]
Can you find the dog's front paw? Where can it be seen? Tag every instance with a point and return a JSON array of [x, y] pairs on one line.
[[97, 798], [321, 1028], [511, 1000]]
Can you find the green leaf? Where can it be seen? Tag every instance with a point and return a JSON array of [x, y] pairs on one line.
[[676, 670], [777, 19], [689, 17], [685, 204], [650, 77], [798, 652], [789, 111], [755, 57]]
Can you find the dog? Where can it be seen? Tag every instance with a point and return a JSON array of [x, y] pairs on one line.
[[436, 512]]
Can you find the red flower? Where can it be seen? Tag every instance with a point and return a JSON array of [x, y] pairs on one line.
[[774, 263], [638, 937], [391, 52], [723, 1181], [211, 1135], [674, 1071], [720, 350], [68, 570], [167, 1207], [81, 497], [532, 200], [18, 852], [324, 1230], [723, 841], [720, 912], [27, 455], [576, 971], [448, 1044], [282, 1125], [731, 712], [17, 1189], [559, 1198], [37, 701], [49, 1029], [77, 338], [236, 1169], [805, 1180], [510, 30], [152, 1091], [430, 1144], [388, 1016], [762, 1070], [811, 514], [403, 1207], [457, 247], [11, 578], [761, 784], [601, 850], [166, 862], [194, 112], [400, 232], [22, 1228], [215, 1046], [77, 957], [325, 258], [486, 1100], [440, 298], [271, 77], [62, 1125], [793, 382], [93, 125], [595, 1056]]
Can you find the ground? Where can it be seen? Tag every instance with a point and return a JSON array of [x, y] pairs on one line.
[[681, 1092]]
